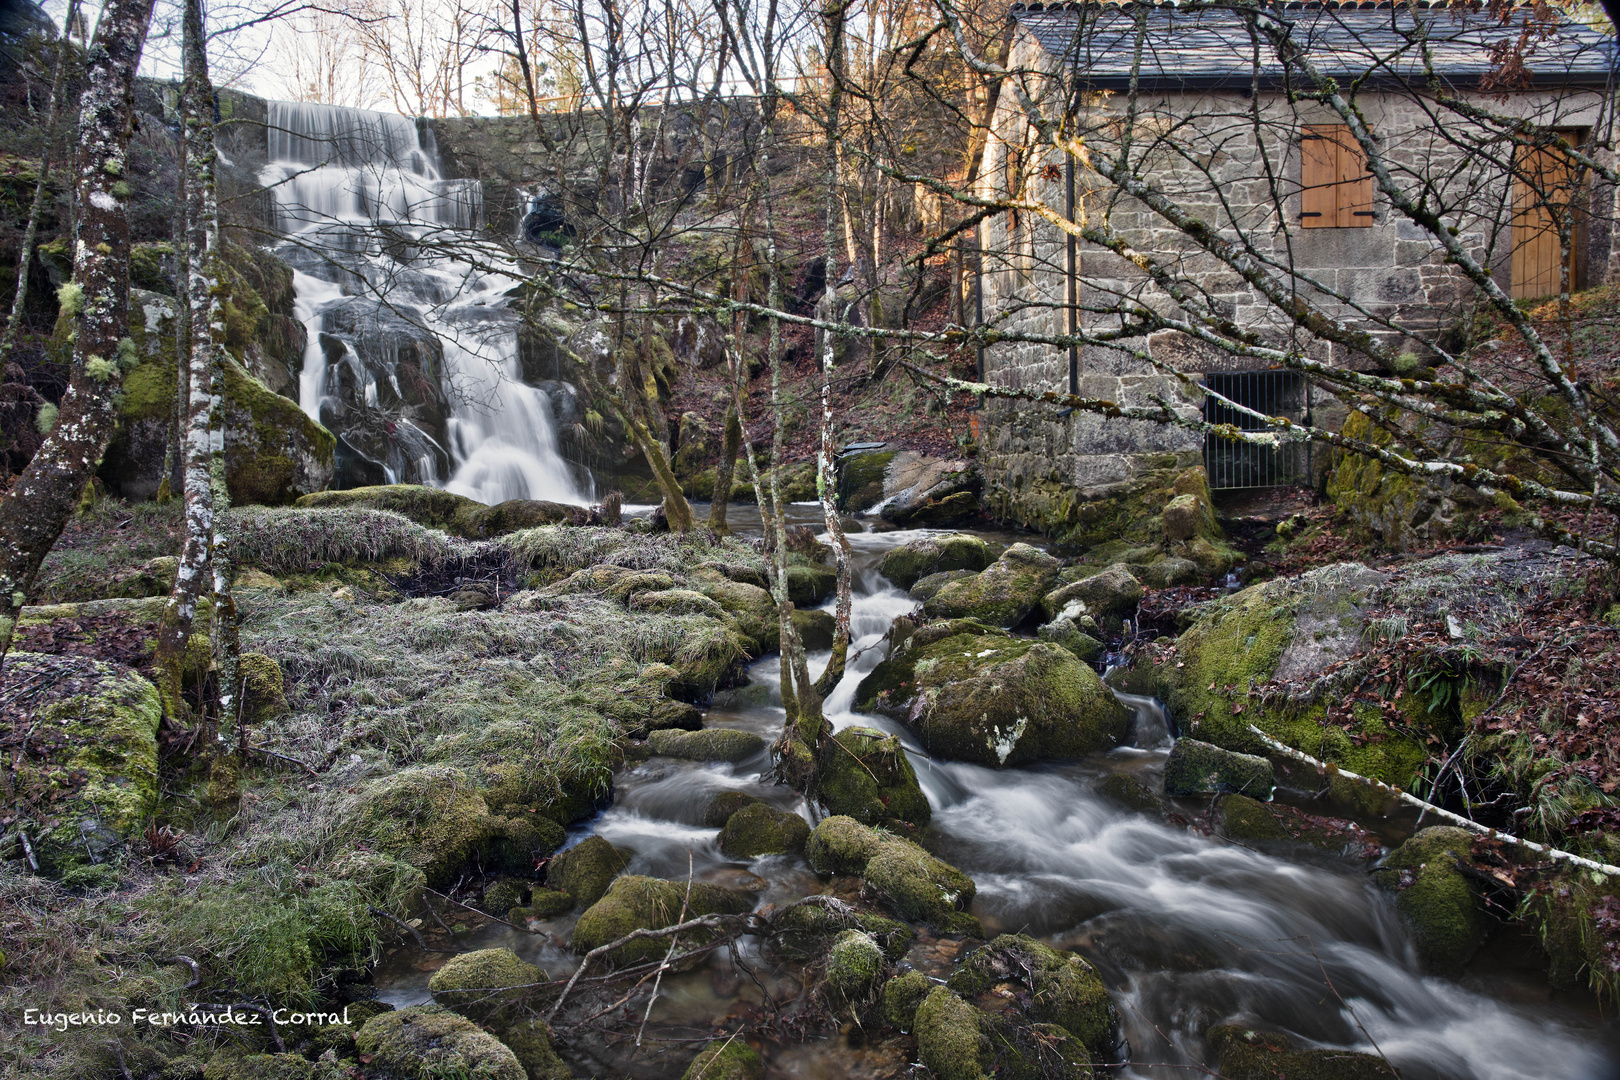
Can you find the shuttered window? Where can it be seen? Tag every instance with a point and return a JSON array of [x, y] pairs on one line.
[[1335, 188]]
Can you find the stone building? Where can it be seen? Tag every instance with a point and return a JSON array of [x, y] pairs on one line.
[[1196, 104]]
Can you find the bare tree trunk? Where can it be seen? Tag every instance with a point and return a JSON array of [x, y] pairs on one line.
[[37, 506], [637, 405], [200, 358], [720, 501], [36, 209]]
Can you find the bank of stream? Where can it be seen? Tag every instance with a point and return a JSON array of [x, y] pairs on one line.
[[1187, 929]]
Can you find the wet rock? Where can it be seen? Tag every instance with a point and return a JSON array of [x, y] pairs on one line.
[[926, 492], [758, 829], [809, 586], [674, 714], [488, 985], [543, 904], [710, 744], [263, 691], [1246, 819], [1246, 1054], [854, 965], [726, 1059], [748, 607], [725, 804], [428, 1042], [816, 628], [1197, 768], [949, 1041], [866, 775], [860, 479], [901, 997], [914, 883], [994, 699], [1063, 988], [1064, 633], [841, 845], [644, 903], [1183, 517], [1124, 789], [1434, 897], [930, 585], [503, 895], [917, 559], [1107, 597], [1004, 594], [585, 870], [1169, 572], [530, 1043]]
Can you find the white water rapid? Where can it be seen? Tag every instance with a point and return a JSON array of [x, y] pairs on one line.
[[411, 356]]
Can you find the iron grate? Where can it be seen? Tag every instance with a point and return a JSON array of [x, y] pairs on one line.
[[1245, 465]]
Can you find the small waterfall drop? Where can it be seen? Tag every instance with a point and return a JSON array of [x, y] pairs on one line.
[[411, 355]]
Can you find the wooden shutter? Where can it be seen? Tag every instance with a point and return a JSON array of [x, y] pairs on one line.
[[1335, 188], [1541, 194]]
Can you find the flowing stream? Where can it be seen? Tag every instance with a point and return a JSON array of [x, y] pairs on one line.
[[1187, 930], [411, 356]]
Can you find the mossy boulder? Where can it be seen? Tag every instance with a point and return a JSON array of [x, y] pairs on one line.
[[503, 895], [264, 695], [758, 829], [585, 870], [530, 1042], [1107, 597], [667, 713], [996, 700], [949, 1040], [710, 744], [429, 1042], [1243, 1053], [815, 627], [927, 587], [87, 784], [432, 817], [901, 997], [842, 845], [917, 559], [1004, 594], [914, 883], [725, 804], [1251, 821], [274, 452], [644, 903], [803, 931], [488, 985], [227, 1066], [1198, 768], [1062, 988], [1126, 790], [866, 775], [1063, 633], [1169, 572], [1434, 897], [726, 1059], [854, 966], [810, 584], [1404, 511], [543, 904], [860, 479], [439, 509]]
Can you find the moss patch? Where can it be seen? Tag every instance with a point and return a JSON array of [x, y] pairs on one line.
[[758, 829], [643, 903], [431, 1043], [866, 775], [1434, 897]]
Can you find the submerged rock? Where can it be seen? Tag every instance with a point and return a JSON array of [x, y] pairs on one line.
[[710, 744], [644, 903], [1243, 818], [866, 775], [1197, 768], [901, 997], [726, 1059], [854, 965], [1004, 594], [758, 829], [428, 1042], [803, 931], [910, 880], [585, 870], [1124, 789], [1063, 988], [996, 700], [488, 985], [1434, 897], [1246, 1054], [928, 555]]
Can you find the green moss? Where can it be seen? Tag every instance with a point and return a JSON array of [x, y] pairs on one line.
[[928, 587], [273, 450], [1124, 789], [860, 480], [866, 775], [1107, 597], [1063, 988], [432, 817], [809, 585], [841, 845], [1434, 896], [263, 691], [1065, 634], [1243, 818], [503, 895], [1246, 1054], [803, 931], [728, 1059], [711, 744], [432, 507], [917, 559], [1004, 594], [914, 883], [1198, 768], [758, 829], [431, 1043], [816, 628], [949, 1040], [543, 904], [149, 267], [225, 1066], [854, 966], [585, 870], [643, 903], [530, 1042], [901, 997], [725, 804], [488, 986]]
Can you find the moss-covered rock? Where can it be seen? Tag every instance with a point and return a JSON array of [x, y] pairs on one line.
[[854, 966], [1171, 571], [1434, 897], [1126, 790], [1198, 768], [488, 985], [949, 1040], [810, 584], [726, 1059], [815, 627], [274, 452], [1063, 988], [429, 1042], [433, 817], [995, 700], [710, 744], [901, 997], [928, 587], [503, 895], [643, 903], [263, 691], [667, 713], [860, 479], [724, 804], [228, 1066], [866, 775], [1242, 1053], [910, 880], [1403, 511], [530, 1043], [758, 829], [917, 559], [803, 931], [1063, 633], [439, 509], [842, 845], [1004, 594], [585, 870], [1107, 597], [543, 904]]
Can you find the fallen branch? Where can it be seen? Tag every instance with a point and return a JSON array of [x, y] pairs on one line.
[[475, 911], [407, 927], [283, 757], [1428, 807]]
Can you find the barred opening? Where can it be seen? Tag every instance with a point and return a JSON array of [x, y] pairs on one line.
[[1247, 465]]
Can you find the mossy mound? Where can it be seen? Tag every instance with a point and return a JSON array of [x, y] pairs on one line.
[[643, 903], [1243, 1053], [949, 1040], [440, 509], [488, 985], [1434, 897], [728, 1059], [434, 818], [816, 628], [429, 1042], [1198, 768], [854, 966], [810, 584], [530, 1043], [803, 931], [866, 775], [1107, 597], [227, 1066], [1063, 988], [1063, 633], [914, 883], [929, 586], [667, 713], [725, 804], [1246, 819], [710, 744], [1004, 594], [917, 559], [996, 700], [264, 693], [860, 479], [674, 602], [543, 904], [585, 870], [842, 845], [274, 452], [503, 895], [901, 997], [758, 829]]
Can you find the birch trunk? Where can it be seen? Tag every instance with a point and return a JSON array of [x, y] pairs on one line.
[[34, 510]]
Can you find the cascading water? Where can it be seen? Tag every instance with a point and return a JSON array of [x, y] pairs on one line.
[[411, 355]]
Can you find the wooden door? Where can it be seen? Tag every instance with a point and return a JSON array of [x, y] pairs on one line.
[[1542, 202]]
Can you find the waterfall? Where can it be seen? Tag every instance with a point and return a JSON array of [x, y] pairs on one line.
[[411, 356]]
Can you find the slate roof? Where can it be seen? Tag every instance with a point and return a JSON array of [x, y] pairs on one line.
[[1212, 49]]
